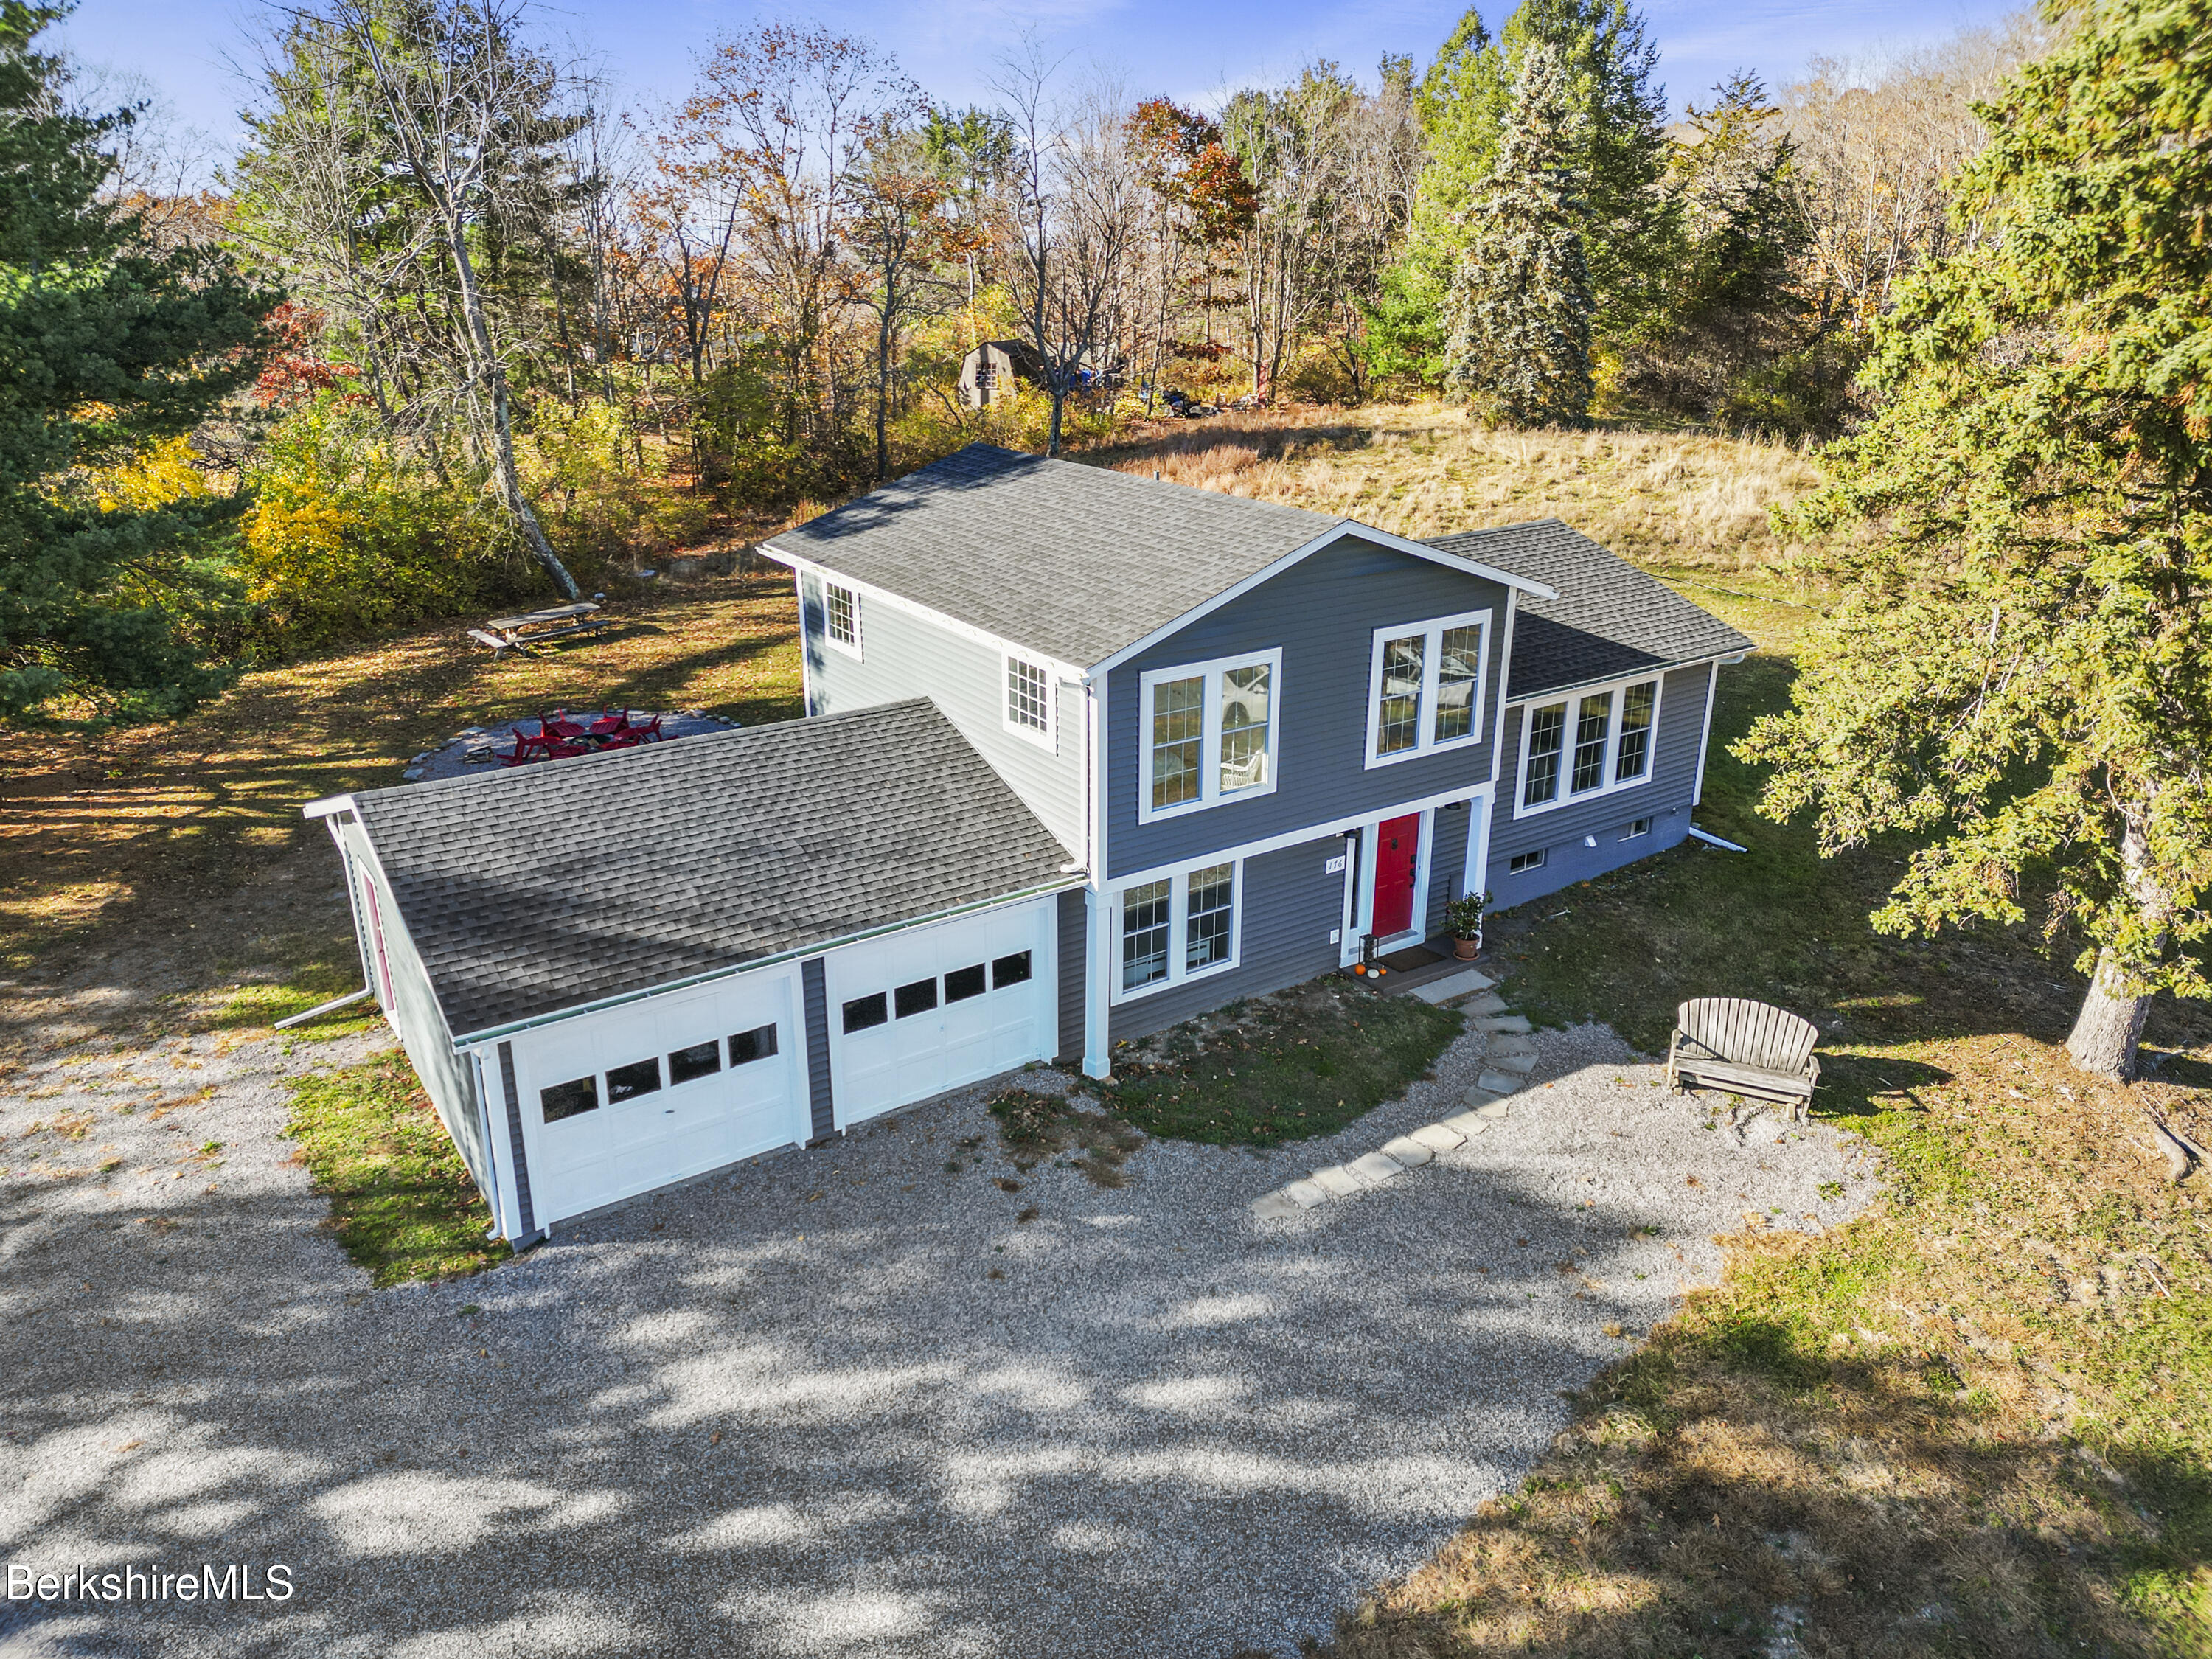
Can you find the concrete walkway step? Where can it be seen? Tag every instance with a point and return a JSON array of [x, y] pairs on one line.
[[1516, 1023], [1499, 1083], [1337, 1181], [1510, 1044], [1274, 1207], [1375, 1168], [1437, 1138], [1469, 1124], [1481, 1006], [1453, 985], [1522, 1063], [1495, 1109]]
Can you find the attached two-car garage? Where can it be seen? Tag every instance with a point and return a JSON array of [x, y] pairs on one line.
[[620, 1102], [620, 972]]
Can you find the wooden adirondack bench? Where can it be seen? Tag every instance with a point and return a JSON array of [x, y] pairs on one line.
[[1745, 1048]]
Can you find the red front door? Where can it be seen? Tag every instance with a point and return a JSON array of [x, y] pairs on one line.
[[1397, 851]]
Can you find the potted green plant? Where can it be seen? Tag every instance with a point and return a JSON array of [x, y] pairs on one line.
[[1463, 921]]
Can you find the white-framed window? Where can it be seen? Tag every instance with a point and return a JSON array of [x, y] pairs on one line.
[[1635, 827], [1029, 699], [1176, 927], [1208, 733], [1522, 863], [841, 617], [1590, 743], [1425, 687]]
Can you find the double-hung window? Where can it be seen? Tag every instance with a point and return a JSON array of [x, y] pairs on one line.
[[1176, 927], [1029, 700], [1425, 690], [1587, 744], [841, 617], [1209, 733]]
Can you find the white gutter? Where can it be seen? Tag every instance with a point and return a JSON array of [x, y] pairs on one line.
[[492, 1033]]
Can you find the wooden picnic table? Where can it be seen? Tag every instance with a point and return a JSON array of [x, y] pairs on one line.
[[537, 627]]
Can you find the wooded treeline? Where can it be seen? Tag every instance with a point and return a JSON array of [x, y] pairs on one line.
[[512, 332]]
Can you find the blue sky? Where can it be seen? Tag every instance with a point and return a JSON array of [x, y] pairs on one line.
[[1190, 50]]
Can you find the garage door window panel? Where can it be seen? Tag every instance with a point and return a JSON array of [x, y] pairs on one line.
[[1010, 971], [689, 1064], [639, 1077], [1179, 927], [862, 1013], [919, 998], [567, 1100], [963, 983], [746, 1046]]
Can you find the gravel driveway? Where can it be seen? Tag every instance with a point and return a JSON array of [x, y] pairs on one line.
[[845, 1402]]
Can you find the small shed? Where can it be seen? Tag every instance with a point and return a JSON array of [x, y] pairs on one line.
[[994, 370]]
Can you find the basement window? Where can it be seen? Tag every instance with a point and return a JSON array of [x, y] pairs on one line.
[[1637, 827], [1522, 863]]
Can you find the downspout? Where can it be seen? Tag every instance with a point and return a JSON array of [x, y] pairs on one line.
[[1099, 953]]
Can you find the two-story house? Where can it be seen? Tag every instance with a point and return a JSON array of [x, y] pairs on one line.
[[1084, 755]]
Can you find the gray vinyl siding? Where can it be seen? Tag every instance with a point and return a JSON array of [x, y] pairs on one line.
[[1322, 613], [518, 1155], [415, 1017], [1290, 904], [904, 655], [1447, 863], [1666, 800], [813, 983], [1074, 942]]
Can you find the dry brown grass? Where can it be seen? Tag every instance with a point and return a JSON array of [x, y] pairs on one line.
[[1424, 470]]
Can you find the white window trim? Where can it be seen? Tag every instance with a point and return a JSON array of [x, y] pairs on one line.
[[1178, 924], [1543, 855], [1047, 739], [855, 649], [1433, 629], [1573, 699], [1209, 753]]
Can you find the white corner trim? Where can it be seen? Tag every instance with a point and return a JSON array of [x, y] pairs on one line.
[[1047, 739], [1656, 680], [1431, 629], [1211, 793], [915, 607], [1706, 731], [1505, 673], [1335, 533]]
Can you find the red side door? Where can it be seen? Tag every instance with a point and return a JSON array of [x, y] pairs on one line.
[[1397, 851]]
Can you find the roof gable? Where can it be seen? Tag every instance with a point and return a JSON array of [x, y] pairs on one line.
[[1079, 563], [535, 888], [1608, 618]]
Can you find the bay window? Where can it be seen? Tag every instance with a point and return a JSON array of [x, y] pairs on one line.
[[1587, 744], [1426, 687], [1176, 927], [1209, 733]]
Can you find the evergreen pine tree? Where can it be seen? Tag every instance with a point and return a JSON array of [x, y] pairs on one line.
[[1519, 311], [2019, 674], [1617, 151], [104, 347]]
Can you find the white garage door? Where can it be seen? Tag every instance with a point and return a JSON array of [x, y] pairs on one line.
[[914, 1014], [617, 1103]]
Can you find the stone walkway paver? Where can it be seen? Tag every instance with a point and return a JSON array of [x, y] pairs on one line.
[[1509, 1059]]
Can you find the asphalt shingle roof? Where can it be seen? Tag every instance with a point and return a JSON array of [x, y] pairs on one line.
[[1610, 619], [543, 887], [1074, 560]]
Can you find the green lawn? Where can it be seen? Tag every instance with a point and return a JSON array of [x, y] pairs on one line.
[[1304, 1062], [1977, 1420], [402, 1203]]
